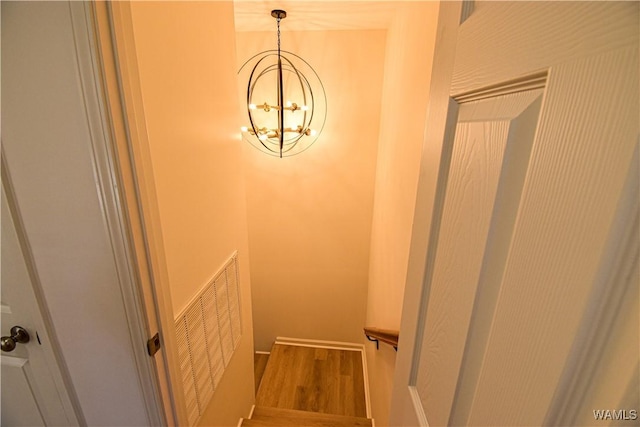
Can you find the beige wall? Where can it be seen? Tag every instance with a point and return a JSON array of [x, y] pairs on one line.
[[186, 58], [310, 215], [407, 68]]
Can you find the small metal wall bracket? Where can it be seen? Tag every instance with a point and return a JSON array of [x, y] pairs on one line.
[[375, 341], [395, 347]]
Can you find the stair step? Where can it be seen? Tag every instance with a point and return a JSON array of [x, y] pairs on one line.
[[264, 416], [275, 422], [301, 378]]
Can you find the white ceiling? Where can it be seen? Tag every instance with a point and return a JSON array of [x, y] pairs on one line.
[[310, 15]]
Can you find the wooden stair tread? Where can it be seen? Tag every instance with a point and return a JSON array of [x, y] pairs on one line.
[[265, 416], [275, 422], [313, 379], [263, 411]]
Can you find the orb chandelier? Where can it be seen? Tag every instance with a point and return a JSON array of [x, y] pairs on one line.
[[286, 103]]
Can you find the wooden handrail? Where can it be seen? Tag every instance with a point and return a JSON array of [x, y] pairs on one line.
[[387, 336]]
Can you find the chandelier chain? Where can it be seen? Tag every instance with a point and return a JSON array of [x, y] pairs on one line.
[[278, 21]]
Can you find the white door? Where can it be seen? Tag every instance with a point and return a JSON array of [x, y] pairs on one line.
[[33, 391], [530, 285]]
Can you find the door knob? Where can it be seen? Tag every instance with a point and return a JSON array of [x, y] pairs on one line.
[[18, 335]]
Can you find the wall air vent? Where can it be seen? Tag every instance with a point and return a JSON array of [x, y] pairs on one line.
[[208, 331]]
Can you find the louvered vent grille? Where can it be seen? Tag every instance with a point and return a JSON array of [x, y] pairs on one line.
[[208, 331]]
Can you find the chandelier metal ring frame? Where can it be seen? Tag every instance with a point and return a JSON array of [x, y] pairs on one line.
[[300, 119]]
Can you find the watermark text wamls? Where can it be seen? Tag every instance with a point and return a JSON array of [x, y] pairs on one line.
[[615, 414]]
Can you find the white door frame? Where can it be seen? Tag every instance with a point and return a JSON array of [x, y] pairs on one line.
[[406, 408], [110, 188], [130, 169]]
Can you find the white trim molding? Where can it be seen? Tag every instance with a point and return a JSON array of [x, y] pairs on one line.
[[417, 406], [106, 173]]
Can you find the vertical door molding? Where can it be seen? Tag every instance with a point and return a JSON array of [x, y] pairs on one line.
[[131, 147], [495, 206], [108, 183], [406, 408]]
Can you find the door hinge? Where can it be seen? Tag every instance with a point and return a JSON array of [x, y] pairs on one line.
[[153, 345]]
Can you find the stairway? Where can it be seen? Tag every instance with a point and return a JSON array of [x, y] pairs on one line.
[[264, 416]]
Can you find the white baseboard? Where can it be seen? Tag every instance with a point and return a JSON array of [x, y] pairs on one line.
[[367, 394], [262, 352], [336, 345], [253, 407]]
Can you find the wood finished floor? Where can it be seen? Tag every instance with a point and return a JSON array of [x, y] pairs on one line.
[[313, 379]]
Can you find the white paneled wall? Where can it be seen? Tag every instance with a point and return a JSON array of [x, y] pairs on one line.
[[208, 331]]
